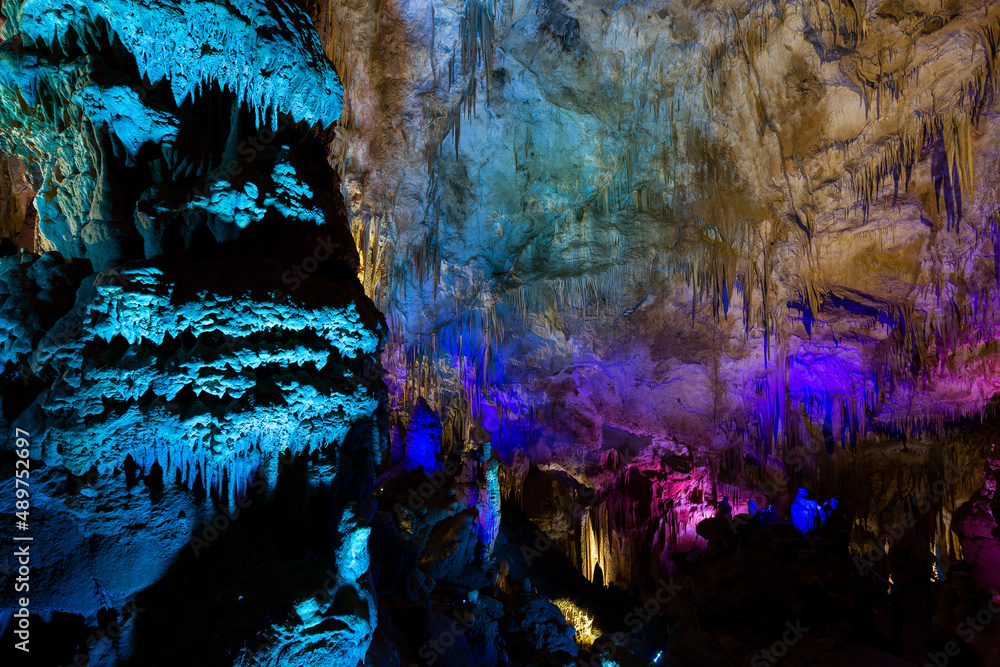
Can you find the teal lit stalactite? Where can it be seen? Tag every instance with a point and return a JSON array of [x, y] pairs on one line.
[[197, 331]]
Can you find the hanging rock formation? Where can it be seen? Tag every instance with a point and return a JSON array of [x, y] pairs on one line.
[[195, 344], [742, 229]]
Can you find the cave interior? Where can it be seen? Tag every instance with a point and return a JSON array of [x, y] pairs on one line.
[[494, 333]]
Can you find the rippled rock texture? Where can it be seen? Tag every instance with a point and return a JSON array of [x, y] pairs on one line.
[[193, 357]]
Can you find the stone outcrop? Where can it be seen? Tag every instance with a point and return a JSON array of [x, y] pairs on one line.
[[195, 351]]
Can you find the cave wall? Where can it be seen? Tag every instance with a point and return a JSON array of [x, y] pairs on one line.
[[760, 236], [746, 208]]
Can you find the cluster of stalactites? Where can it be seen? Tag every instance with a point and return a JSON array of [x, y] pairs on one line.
[[273, 63], [251, 399], [733, 260], [952, 120]]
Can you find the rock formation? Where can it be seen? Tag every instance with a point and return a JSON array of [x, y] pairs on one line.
[[440, 332], [161, 354]]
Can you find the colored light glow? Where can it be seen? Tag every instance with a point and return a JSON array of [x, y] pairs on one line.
[[586, 632]]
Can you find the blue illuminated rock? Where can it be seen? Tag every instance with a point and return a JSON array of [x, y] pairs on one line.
[[197, 354], [67, 104]]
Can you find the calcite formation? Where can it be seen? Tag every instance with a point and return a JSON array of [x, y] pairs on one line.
[[197, 315], [90, 82], [735, 229]]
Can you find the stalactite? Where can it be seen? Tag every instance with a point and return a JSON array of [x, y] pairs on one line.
[[889, 81], [478, 30], [952, 123]]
